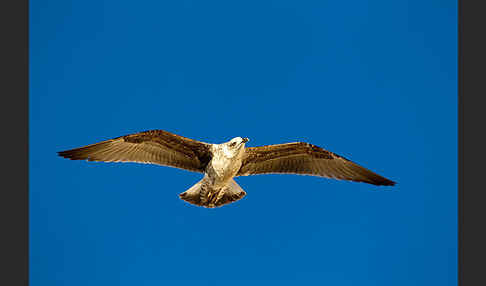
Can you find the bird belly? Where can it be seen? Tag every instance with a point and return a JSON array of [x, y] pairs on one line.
[[221, 171]]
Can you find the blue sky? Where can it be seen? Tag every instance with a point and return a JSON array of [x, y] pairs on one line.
[[374, 81]]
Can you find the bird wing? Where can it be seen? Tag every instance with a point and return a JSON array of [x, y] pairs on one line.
[[152, 147], [305, 159]]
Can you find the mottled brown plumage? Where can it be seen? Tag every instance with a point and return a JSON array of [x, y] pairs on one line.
[[220, 163], [154, 146], [202, 194], [305, 159]]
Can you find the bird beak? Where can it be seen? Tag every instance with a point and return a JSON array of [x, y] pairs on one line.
[[245, 140]]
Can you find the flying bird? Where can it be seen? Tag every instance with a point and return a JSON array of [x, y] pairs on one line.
[[220, 163]]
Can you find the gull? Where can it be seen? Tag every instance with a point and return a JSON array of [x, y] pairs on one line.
[[220, 163]]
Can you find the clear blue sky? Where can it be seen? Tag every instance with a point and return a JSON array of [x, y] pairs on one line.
[[374, 81]]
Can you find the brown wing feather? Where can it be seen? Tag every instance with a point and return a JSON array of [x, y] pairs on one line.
[[152, 147], [306, 159]]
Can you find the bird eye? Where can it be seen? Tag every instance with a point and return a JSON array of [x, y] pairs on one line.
[[232, 144]]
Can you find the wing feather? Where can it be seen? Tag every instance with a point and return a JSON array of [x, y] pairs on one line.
[[306, 159], [154, 147]]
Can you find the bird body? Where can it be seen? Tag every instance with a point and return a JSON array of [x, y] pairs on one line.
[[226, 160], [217, 186], [220, 163]]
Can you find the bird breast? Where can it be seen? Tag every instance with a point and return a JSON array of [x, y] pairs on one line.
[[221, 168]]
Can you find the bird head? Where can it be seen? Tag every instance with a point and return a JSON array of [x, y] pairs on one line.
[[235, 146]]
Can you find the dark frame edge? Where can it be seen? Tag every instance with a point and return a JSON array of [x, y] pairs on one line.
[[14, 209]]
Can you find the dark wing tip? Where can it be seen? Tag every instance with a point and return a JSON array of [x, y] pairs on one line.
[[383, 182], [367, 176], [84, 153], [74, 154]]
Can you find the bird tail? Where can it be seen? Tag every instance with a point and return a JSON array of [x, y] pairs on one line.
[[202, 194]]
